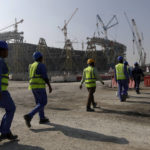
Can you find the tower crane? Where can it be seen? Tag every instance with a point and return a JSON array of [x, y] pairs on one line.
[[137, 40], [64, 28], [109, 24], [68, 44], [15, 25]]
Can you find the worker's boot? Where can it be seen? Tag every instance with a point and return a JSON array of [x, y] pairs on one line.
[[44, 121], [90, 109], [127, 96], [94, 105], [27, 119], [8, 136], [123, 98], [137, 91]]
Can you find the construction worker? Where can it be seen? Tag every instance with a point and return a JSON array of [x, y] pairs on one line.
[[137, 73], [122, 78], [38, 79], [129, 74], [90, 75], [6, 101]]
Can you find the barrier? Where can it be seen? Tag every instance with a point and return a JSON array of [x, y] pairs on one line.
[[103, 77], [147, 81], [114, 83], [78, 78], [131, 84]]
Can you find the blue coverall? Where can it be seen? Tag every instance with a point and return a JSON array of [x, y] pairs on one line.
[[122, 84], [40, 94], [6, 102], [137, 73]]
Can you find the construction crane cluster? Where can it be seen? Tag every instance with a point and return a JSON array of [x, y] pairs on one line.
[[137, 40], [68, 54]]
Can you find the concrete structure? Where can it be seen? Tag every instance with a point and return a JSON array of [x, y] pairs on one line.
[[20, 56]]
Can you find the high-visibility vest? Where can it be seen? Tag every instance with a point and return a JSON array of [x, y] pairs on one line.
[[4, 81], [120, 71], [90, 79], [36, 81]]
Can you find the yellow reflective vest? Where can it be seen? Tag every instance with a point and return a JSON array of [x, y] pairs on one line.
[[120, 71], [4, 81], [90, 79], [36, 81]]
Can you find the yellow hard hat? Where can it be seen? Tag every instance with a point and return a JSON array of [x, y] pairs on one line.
[[90, 60]]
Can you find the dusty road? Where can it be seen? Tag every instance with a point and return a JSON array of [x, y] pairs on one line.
[[114, 126]]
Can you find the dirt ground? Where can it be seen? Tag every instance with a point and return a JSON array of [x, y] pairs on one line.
[[113, 126]]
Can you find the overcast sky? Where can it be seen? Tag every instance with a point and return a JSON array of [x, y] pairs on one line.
[[42, 18]]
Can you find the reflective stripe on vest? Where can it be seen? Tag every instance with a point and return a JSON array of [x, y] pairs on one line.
[[36, 81], [90, 80], [4, 82], [120, 71]]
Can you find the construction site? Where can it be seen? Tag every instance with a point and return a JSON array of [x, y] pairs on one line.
[[113, 125], [62, 61]]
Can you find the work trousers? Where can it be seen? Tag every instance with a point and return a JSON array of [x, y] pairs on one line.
[[40, 100], [122, 88], [137, 84], [7, 103], [91, 96]]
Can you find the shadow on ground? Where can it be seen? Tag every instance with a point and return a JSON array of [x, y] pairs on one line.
[[139, 97], [146, 93], [14, 145], [82, 134], [128, 113], [59, 109], [138, 102]]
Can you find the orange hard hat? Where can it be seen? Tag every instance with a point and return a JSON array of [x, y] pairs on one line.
[[90, 60]]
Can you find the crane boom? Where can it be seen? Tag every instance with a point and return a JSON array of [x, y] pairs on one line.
[[71, 16], [114, 17], [101, 21], [139, 45], [128, 22], [137, 33], [109, 25], [16, 23], [64, 28]]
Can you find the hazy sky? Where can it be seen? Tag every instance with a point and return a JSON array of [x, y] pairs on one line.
[[42, 18]]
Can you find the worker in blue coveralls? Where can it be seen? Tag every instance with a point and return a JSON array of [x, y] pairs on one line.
[[122, 78], [137, 73], [37, 83], [6, 101], [130, 75]]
